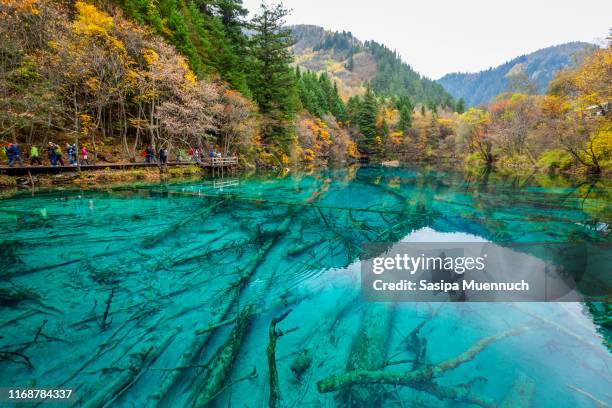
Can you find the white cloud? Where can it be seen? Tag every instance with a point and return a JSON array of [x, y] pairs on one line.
[[441, 36]]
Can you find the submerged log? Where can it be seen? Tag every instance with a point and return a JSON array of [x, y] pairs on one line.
[[11, 296], [113, 388], [150, 242], [413, 378], [105, 323], [193, 351], [521, 394], [283, 301], [456, 394], [221, 363], [17, 356], [274, 334], [368, 352], [298, 249]]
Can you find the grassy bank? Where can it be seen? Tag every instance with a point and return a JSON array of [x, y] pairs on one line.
[[100, 177]]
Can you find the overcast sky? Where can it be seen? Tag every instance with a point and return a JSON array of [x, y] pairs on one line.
[[441, 36]]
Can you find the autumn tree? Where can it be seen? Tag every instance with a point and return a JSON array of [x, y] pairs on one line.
[[27, 99], [236, 122], [513, 120], [474, 131], [578, 111]]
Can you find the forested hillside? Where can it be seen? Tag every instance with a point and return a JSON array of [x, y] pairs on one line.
[[527, 73], [353, 64], [120, 76], [117, 76], [208, 33]]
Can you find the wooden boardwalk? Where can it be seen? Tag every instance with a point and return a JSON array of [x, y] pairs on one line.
[[214, 163]]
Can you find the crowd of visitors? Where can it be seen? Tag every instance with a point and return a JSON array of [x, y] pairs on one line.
[[11, 153]]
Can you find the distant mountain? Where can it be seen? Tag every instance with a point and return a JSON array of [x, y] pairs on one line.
[[538, 68], [352, 63]]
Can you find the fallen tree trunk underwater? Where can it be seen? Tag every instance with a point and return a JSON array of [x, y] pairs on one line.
[[193, 351], [159, 237], [118, 384], [368, 352], [274, 334], [220, 365], [421, 379], [521, 394]]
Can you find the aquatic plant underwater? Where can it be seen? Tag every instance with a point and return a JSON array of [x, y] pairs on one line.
[[245, 291]]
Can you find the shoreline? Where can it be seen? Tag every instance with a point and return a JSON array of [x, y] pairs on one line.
[[99, 177], [108, 176]]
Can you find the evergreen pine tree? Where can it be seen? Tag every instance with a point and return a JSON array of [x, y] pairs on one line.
[[271, 79], [460, 107], [405, 119], [353, 106], [384, 129], [366, 121], [337, 106], [350, 64]]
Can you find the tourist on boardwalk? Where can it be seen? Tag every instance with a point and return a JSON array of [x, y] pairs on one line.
[[3, 155], [71, 152], [198, 155], [34, 156], [14, 154], [163, 155], [58, 155], [52, 154], [149, 155], [195, 154], [84, 156], [8, 152], [180, 155]]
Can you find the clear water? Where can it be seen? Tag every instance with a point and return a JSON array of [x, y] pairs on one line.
[[173, 256]]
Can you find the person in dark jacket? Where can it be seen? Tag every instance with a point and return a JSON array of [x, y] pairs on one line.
[[163, 155], [149, 155], [52, 154], [14, 154], [71, 152], [8, 152]]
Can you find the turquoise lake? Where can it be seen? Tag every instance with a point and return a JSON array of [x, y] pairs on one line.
[[162, 294]]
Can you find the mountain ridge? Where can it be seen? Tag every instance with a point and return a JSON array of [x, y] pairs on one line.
[[353, 64], [536, 68]]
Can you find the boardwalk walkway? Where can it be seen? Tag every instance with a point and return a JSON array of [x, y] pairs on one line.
[[215, 162]]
